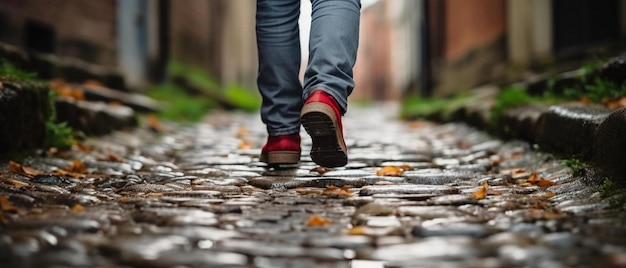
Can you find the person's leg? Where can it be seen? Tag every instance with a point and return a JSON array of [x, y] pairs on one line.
[[328, 78], [333, 47], [278, 42], [279, 64]]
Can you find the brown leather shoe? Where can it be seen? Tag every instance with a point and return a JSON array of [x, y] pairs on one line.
[[321, 118]]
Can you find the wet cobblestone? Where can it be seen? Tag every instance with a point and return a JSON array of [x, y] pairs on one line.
[[196, 196]]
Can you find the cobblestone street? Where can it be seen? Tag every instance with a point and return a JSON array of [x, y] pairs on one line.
[[414, 194]]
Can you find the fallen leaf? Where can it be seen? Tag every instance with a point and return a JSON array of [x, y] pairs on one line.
[[15, 167], [154, 195], [333, 191], [6, 206], [534, 179], [481, 193], [358, 230], [419, 124], [31, 171], [320, 170], [585, 99], [115, 158], [78, 208], [115, 103], [345, 193], [550, 194], [77, 167], [316, 220], [389, 171], [84, 147], [245, 144], [22, 170], [615, 103], [17, 184], [241, 132], [155, 124], [92, 82]]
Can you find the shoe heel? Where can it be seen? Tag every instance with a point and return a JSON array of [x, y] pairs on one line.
[[328, 149]]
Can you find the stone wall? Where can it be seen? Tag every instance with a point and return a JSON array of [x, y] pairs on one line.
[[77, 28]]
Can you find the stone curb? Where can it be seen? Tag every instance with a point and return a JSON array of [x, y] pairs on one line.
[[586, 131]]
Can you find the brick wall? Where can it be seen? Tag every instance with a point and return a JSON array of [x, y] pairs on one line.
[[80, 28]]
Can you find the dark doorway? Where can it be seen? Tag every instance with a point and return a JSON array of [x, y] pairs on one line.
[[583, 22], [40, 37]]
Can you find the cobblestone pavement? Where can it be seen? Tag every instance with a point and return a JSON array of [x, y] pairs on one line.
[[414, 194]]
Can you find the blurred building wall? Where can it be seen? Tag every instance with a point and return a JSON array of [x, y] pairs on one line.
[[468, 43], [217, 36], [76, 28], [389, 50], [372, 72]]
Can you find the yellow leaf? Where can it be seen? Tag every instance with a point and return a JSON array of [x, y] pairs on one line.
[[389, 171], [6, 206], [155, 124], [316, 220], [550, 194], [78, 208], [534, 179], [344, 193], [358, 230], [320, 170], [481, 193], [245, 144], [77, 167], [241, 132]]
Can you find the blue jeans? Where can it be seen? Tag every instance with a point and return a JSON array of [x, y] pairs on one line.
[[332, 54]]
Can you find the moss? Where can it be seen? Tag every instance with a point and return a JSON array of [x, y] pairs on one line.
[[434, 108], [36, 124], [578, 167], [8, 72], [613, 191]]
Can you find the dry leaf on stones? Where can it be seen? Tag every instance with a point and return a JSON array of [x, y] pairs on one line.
[[390, 171], [316, 220], [481, 193], [6, 206]]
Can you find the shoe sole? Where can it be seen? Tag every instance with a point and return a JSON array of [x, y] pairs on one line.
[[281, 158], [328, 148]]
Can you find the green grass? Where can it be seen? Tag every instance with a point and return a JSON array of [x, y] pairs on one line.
[[509, 98], [181, 105], [239, 96], [243, 98], [597, 91], [417, 107], [58, 134]]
